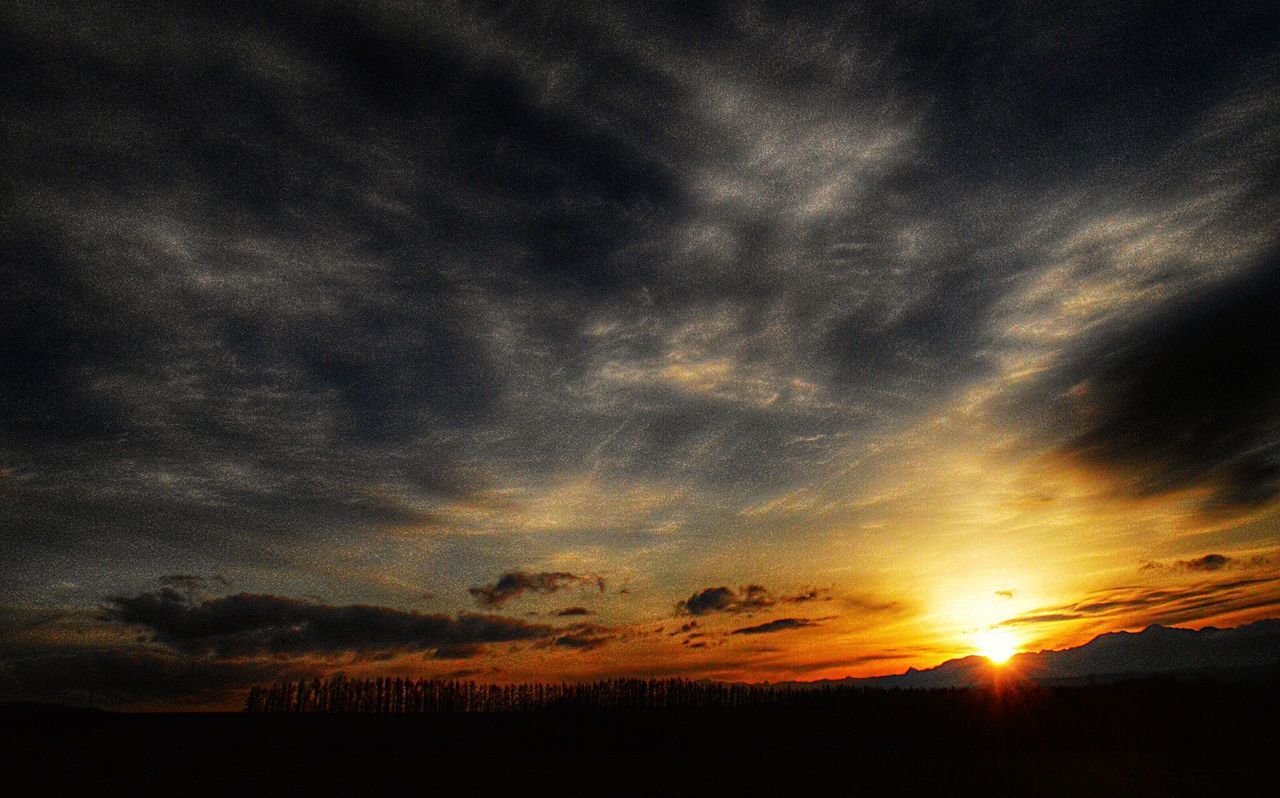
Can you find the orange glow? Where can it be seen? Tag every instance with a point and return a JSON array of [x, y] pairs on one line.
[[997, 645]]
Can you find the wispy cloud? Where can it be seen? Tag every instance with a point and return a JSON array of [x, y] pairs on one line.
[[1140, 605], [779, 625], [1209, 563]]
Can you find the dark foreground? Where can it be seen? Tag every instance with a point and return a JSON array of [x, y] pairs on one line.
[[1146, 739]]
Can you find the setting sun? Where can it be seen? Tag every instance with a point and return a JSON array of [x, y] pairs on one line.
[[996, 645]]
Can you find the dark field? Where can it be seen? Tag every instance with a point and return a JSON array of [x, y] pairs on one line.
[[1136, 739]]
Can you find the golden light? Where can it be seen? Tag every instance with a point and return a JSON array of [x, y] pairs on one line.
[[997, 645]]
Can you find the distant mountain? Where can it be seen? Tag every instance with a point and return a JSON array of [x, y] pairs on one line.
[[1110, 657]]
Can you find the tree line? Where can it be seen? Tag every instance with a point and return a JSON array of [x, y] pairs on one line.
[[398, 695]]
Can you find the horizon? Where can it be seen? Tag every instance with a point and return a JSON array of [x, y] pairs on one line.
[[1001, 675], [573, 341]]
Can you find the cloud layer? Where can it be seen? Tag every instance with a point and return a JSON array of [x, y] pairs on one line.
[[247, 624]]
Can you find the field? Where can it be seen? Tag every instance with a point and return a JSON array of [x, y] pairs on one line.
[[1150, 738]]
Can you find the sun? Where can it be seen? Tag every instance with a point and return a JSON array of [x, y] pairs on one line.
[[997, 645]]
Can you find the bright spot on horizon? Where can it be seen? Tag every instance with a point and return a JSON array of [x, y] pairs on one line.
[[997, 645]]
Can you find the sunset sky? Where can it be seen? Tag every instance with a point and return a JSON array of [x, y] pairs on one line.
[[565, 340]]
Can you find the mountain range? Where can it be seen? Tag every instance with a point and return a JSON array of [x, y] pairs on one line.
[[1241, 652]]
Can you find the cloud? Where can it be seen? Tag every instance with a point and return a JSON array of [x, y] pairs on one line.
[[250, 624], [723, 599], [1209, 563], [350, 327], [807, 595], [687, 627], [585, 637], [1136, 605], [779, 625], [748, 598], [569, 612], [514, 584], [1186, 397]]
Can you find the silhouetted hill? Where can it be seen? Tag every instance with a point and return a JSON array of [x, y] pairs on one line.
[[1243, 653]]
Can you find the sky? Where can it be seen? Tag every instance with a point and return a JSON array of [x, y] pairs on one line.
[[517, 341]]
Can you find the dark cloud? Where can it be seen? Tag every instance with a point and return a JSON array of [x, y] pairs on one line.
[[514, 584], [747, 598], [228, 167], [248, 624], [1188, 397], [779, 625], [807, 595], [938, 339], [687, 627], [694, 640], [329, 235], [1007, 594], [708, 600], [1049, 93], [1209, 562], [569, 612], [585, 637], [377, 251], [722, 599]]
